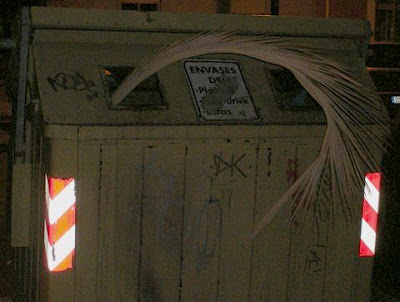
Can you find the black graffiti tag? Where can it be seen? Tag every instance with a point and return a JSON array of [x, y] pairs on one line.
[[74, 82], [314, 260], [221, 165]]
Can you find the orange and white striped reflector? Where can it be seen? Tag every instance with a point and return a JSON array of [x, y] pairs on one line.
[[369, 222], [59, 225]]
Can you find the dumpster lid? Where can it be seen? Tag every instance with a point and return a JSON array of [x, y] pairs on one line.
[[76, 50], [117, 20]]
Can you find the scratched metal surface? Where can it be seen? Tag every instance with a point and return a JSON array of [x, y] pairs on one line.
[[182, 208], [169, 219], [173, 220]]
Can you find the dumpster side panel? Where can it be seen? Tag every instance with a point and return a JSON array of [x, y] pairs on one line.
[[202, 229], [344, 280], [279, 249], [234, 184], [308, 235], [87, 208], [119, 222], [162, 222], [62, 164], [219, 212], [169, 219], [270, 263]]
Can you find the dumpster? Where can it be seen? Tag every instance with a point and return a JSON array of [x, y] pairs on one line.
[[152, 196]]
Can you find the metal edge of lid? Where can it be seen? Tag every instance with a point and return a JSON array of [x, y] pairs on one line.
[[118, 20]]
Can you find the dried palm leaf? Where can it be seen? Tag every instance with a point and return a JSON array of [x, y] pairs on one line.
[[350, 109]]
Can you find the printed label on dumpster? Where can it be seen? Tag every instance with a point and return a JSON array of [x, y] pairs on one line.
[[219, 90]]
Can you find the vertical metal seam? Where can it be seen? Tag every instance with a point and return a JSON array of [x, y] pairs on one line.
[[117, 199], [254, 218], [327, 242], [77, 185], [22, 80], [141, 228], [39, 238], [219, 245], [183, 222], [98, 218], [288, 287]]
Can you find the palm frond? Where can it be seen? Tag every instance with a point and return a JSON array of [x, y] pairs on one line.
[[350, 109]]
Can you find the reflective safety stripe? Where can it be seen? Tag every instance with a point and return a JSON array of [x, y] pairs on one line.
[[61, 203], [369, 222], [371, 194], [60, 251], [59, 226], [368, 236]]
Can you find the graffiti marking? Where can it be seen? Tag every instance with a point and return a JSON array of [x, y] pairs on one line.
[[74, 82], [222, 165], [292, 172], [314, 262], [269, 160]]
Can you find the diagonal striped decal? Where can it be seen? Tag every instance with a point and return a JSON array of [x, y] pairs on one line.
[[59, 252], [61, 203], [371, 194], [368, 235], [369, 221], [59, 225]]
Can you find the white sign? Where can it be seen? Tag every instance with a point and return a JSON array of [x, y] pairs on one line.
[[219, 90]]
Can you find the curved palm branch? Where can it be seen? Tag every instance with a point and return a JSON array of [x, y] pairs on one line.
[[350, 109]]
